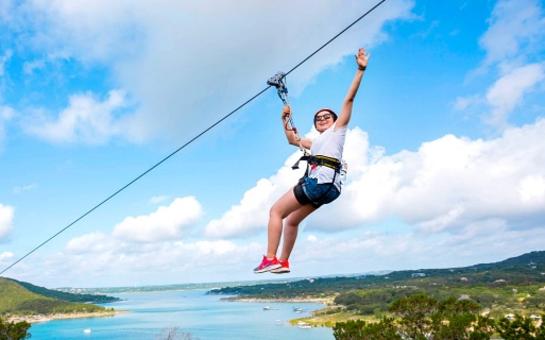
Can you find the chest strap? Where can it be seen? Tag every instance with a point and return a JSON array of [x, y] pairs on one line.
[[329, 162]]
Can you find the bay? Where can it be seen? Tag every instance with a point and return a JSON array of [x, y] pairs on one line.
[[150, 315]]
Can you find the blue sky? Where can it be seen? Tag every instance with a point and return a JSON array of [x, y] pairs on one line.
[[445, 149]]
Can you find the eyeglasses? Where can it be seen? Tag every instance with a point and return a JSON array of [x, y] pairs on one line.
[[322, 117]]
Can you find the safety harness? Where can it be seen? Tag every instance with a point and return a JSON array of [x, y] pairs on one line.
[[320, 160], [278, 81]]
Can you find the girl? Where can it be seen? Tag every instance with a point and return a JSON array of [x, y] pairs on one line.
[[321, 183]]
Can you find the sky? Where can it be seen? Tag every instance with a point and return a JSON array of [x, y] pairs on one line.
[[445, 149]]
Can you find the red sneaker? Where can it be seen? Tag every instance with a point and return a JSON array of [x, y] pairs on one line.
[[284, 267], [267, 265]]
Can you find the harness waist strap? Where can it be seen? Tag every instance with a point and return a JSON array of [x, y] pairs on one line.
[[330, 162]]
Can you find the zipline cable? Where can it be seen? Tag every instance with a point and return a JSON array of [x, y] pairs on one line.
[[187, 143]]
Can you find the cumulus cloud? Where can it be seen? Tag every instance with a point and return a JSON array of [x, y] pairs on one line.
[[93, 242], [142, 248], [445, 185], [513, 43], [508, 91], [6, 219], [462, 103], [516, 27], [86, 120], [381, 250], [252, 211], [3, 61], [122, 263], [166, 223], [108, 260], [450, 182], [172, 57], [24, 188], [5, 10], [158, 199], [532, 189], [6, 257], [6, 114], [30, 67]]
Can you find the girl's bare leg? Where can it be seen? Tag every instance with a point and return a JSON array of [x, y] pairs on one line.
[[291, 227], [282, 208]]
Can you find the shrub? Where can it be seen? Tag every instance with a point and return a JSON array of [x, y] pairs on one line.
[[14, 330], [359, 329]]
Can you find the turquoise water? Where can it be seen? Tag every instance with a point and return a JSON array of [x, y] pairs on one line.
[[150, 314]]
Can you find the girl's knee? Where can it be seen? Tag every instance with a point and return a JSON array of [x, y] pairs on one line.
[[291, 223], [275, 212]]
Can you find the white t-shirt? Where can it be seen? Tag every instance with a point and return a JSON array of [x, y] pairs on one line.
[[329, 143]]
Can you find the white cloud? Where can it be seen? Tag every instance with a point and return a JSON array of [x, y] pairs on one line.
[[85, 120], [93, 242], [5, 10], [513, 42], [441, 222], [161, 52], [116, 262], [107, 260], [312, 238], [24, 188], [517, 27], [382, 251], [6, 114], [446, 184], [3, 61], [165, 223], [507, 92], [253, 210], [463, 103], [158, 199], [532, 190], [6, 256], [30, 66], [6, 219]]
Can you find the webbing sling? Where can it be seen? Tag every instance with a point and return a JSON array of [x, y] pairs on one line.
[[329, 162]]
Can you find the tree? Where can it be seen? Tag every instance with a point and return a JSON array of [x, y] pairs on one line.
[[385, 329], [521, 328], [14, 330], [421, 317], [458, 319], [415, 315]]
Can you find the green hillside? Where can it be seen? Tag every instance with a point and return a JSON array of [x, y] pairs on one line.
[[513, 285], [18, 300], [71, 297], [527, 269]]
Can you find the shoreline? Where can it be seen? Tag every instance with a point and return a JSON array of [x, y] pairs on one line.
[[38, 318], [325, 301]]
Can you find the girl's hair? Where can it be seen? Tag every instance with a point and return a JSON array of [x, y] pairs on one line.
[[327, 110]]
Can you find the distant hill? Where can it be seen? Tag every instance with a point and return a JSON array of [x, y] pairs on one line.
[[66, 296], [515, 285], [22, 298], [524, 269]]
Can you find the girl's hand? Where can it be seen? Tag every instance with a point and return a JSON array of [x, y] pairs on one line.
[[286, 112], [362, 58]]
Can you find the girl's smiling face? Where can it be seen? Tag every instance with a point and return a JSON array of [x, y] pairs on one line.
[[323, 120]]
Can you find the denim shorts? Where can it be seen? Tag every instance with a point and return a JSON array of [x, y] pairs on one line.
[[308, 191]]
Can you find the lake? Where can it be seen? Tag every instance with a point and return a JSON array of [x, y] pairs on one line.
[[149, 315]]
